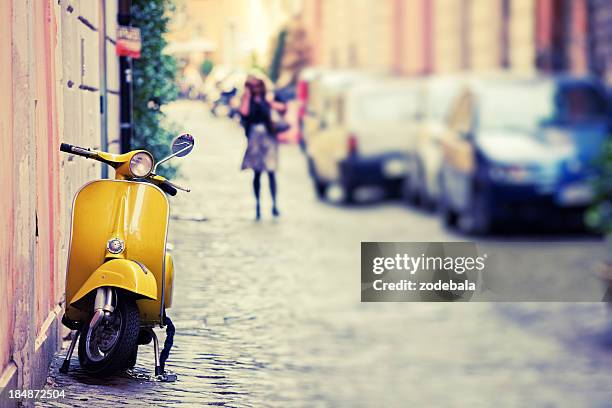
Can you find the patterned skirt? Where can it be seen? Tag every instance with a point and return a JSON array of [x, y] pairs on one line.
[[262, 150]]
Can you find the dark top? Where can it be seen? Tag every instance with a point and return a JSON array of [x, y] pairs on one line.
[[259, 112]]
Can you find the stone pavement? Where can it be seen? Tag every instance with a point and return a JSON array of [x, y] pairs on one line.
[[269, 313]]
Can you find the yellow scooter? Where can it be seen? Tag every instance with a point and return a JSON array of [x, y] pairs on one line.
[[119, 277]]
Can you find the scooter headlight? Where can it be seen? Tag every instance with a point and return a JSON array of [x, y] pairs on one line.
[[115, 246], [141, 164]]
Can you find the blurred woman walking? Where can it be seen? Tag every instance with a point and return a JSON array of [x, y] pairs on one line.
[[262, 150]]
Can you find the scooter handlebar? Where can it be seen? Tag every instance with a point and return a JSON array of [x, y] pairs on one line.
[[79, 151], [65, 147], [167, 187]]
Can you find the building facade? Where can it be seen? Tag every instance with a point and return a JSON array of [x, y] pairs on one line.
[[59, 81], [233, 33], [600, 26], [421, 37]]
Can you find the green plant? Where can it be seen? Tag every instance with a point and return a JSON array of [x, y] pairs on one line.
[[277, 58], [206, 67], [153, 81], [290, 54], [600, 215], [296, 53]]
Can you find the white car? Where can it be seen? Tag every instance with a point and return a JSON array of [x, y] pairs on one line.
[[367, 130], [422, 184]]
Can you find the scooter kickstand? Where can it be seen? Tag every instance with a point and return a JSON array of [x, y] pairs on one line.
[[66, 364], [159, 374], [156, 351]]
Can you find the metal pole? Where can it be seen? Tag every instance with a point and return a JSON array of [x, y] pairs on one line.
[[66, 364], [125, 74], [156, 351], [103, 85]]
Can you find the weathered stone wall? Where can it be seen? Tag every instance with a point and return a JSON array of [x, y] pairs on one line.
[[51, 82]]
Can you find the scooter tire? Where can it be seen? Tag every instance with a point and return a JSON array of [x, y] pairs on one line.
[[132, 360], [123, 350]]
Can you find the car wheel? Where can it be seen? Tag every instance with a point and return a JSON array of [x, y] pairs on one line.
[[447, 214], [425, 199], [320, 189], [410, 188], [348, 196], [394, 189], [319, 185], [477, 218]]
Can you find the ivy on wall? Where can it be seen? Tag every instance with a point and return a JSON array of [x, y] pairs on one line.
[[153, 81], [600, 215], [277, 57]]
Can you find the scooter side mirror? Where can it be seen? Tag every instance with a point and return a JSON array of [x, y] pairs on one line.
[[182, 145]]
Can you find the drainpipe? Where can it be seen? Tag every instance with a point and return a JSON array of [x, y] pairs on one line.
[[125, 88], [466, 29], [505, 61], [428, 37], [103, 85]]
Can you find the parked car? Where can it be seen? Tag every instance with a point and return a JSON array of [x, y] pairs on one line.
[[365, 134], [521, 149], [287, 95], [421, 185], [306, 77], [324, 89], [227, 101], [211, 84]]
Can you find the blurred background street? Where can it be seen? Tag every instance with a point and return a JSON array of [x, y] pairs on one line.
[[268, 313], [396, 120], [494, 113]]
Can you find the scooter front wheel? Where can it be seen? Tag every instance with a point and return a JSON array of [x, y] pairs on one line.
[[106, 349]]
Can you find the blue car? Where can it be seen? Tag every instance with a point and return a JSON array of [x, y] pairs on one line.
[[521, 150]]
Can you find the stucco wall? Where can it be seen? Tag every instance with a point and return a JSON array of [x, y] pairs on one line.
[[413, 37], [51, 75], [522, 36], [7, 322]]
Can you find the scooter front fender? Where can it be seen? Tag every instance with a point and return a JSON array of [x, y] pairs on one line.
[[120, 273]]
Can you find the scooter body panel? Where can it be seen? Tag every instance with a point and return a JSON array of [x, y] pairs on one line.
[[136, 213], [169, 281], [123, 274]]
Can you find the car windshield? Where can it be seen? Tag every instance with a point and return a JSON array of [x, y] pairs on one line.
[[439, 99], [527, 107], [387, 107], [580, 103], [516, 107]]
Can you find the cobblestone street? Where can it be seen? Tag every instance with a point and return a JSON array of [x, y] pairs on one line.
[[268, 313]]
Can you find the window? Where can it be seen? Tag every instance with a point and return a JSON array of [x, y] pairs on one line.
[[527, 106], [387, 107], [516, 106], [580, 103]]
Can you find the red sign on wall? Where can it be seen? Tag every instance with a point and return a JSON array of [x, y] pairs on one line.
[[128, 42]]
